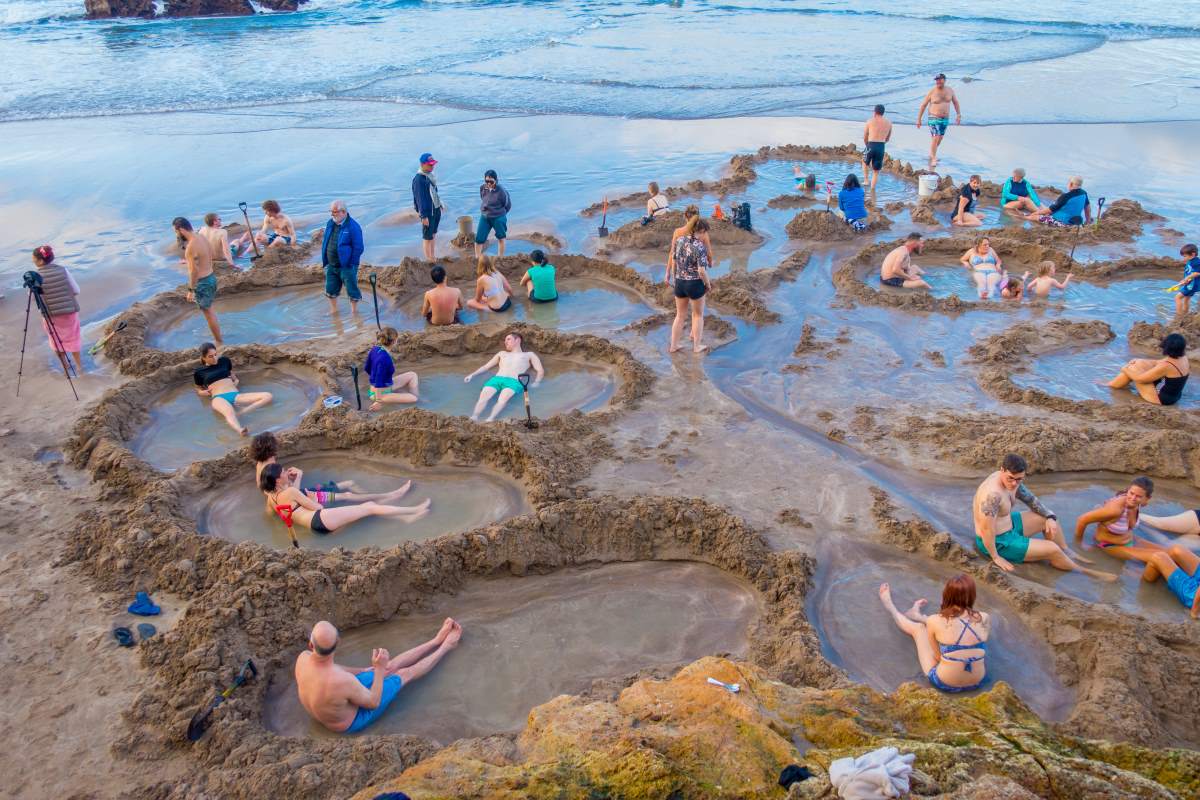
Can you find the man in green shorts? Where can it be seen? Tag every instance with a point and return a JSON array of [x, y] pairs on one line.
[[509, 364], [1005, 535]]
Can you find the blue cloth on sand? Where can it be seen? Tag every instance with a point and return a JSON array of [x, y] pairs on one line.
[[142, 606]]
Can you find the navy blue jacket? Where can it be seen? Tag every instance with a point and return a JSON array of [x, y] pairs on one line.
[[350, 243], [422, 199]]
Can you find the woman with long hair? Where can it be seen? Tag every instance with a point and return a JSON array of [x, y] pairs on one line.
[[951, 644], [285, 498], [986, 267], [492, 292], [687, 272], [216, 379]]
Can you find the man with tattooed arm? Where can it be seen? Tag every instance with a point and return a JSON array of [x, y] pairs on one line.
[[1005, 535]]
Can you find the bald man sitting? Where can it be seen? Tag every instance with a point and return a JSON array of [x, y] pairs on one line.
[[348, 700]]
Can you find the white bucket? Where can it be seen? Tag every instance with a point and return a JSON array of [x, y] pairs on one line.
[[926, 185]]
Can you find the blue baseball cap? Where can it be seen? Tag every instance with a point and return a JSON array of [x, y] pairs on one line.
[[427, 158]]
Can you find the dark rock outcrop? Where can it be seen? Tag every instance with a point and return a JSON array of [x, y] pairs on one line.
[[104, 9]]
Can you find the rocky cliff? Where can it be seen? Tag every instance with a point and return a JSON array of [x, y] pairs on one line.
[[102, 9]]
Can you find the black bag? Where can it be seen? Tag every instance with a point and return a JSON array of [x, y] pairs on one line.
[[741, 216]]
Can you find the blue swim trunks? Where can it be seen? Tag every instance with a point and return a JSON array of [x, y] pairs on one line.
[[938, 126], [272, 236], [1184, 586], [205, 290], [391, 688]]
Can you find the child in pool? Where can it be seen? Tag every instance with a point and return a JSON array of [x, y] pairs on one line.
[[1044, 282], [1015, 288], [1191, 279], [380, 370]]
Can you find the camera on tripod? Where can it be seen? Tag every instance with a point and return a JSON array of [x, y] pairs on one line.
[[33, 281]]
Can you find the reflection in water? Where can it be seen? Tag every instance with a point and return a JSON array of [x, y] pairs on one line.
[[1077, 374]]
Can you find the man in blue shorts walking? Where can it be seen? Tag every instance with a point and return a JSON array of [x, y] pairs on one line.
[[938, 101]]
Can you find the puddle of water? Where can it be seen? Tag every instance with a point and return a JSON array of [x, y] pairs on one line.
[[276, 317], [183, 427], [1074, 374], [776, 178], [569, 384], [238, 511], [861, 637], [527, 640]]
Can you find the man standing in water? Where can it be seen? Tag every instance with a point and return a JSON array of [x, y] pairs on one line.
[[511, 363], [876, 134], [427, 202], [938, 101], [202, 281], [1005, 535], [341, 251], [348, 700]]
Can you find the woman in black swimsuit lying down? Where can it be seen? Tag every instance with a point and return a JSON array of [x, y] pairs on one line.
[[285, 498]]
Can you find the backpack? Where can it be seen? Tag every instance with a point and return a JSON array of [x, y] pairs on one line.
[[741, 216]]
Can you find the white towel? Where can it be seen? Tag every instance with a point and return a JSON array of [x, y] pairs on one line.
[[879, 774]]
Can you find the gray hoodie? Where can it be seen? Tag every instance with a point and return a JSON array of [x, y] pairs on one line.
[[494, 201]]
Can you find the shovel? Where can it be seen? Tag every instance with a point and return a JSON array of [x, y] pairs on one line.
[[96, 347], [603, 230], [1099, 210], [375, 300], [523, 379], [357, 396], [203, 717], [829, 196], [250, 230]]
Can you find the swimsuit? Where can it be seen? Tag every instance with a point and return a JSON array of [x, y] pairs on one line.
[[501, 382], [228, 397], [365, 716], [272, 236], [936, 682], [316, 524], [324, 494], [1192, 268], [938, 126], [495, 287], [1184, 586], [1012, 545], [429, 319], [1171, 389], [874, 155], [1117, 527], [205, 290], [892, 281]]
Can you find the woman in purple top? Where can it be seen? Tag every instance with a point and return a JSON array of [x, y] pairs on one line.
[[386, 386]]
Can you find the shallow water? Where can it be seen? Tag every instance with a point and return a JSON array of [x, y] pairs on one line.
[[274, 317], [526, 640], [1075, 374], [183, 427], [464, 498], [861, 637]]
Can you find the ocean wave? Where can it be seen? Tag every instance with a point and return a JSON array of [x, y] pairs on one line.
[[25, 12]]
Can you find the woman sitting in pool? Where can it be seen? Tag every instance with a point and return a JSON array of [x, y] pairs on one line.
[[216, 379], [1159, 382], [492, 292], [952, 643], [988, 269], [285, 499], [265, 447], [1115, 521]]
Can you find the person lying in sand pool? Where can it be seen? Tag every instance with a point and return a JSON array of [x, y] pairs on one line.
[[951, 644], [218, 239], [1005, 535], [492, 292], [1115, 521], [538, 280], [443, 302], [285, 498], [1044, 282], [898, 269], [277, 228], [217, 380], [264, 449], [1181, 569], [509, 364], [348, 700], [386, 387], [1159, 382], [1018, 194], [986, 266], [1071, 208], [1185, 523]]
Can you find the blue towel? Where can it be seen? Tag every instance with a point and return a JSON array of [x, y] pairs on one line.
[[142, 606]]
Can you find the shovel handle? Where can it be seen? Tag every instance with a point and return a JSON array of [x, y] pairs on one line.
[[523, 379]]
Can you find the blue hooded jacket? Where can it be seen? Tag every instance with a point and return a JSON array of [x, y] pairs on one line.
[[350, 243]]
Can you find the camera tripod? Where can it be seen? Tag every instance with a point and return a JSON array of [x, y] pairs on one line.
[[33, 282]]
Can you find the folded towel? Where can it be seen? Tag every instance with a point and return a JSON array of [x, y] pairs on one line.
[[877, 775]]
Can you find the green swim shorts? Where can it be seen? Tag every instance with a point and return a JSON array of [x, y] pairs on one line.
[[499, 382], [205, 290], [1011, 545]]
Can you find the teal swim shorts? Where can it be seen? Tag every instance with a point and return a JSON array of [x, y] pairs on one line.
[[1011, 545], [205, 290], [499, 382]]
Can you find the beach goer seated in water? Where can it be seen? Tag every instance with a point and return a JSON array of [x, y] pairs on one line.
[[216, 379], [1071, 208], [687, 270], [218, 239], [1191, 279], [951, 644], [1006, 536], [968, 197], [986, 266], [538, 280], [443, 302], [1158, 381], [264, 449], [386, 386], [657, 204], [1014, 288], [852, 205], [509, 364], [277, 228], [1044, 282], [492, 292], [1115, 520], [1181, 569], [897, 268], [286, 498], [1018, 194], [347, 700]]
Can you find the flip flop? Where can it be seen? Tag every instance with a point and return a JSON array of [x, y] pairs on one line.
[[145, 631], [123, 635], [143, 607]]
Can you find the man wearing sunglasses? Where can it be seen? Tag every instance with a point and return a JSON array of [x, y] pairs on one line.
[[341, 250], [1006, 536], [348, 700], [494, 205]]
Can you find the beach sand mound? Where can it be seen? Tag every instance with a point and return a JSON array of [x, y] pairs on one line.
[[792, 201], [823, 226], [657, 234]]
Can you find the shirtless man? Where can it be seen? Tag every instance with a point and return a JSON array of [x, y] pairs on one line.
[[938, 101], [218, 239], [442, 303], [511, 363], [348, 700], [876, 134], [202, 282], [277, 227], [898, 269], [1005, 536]]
